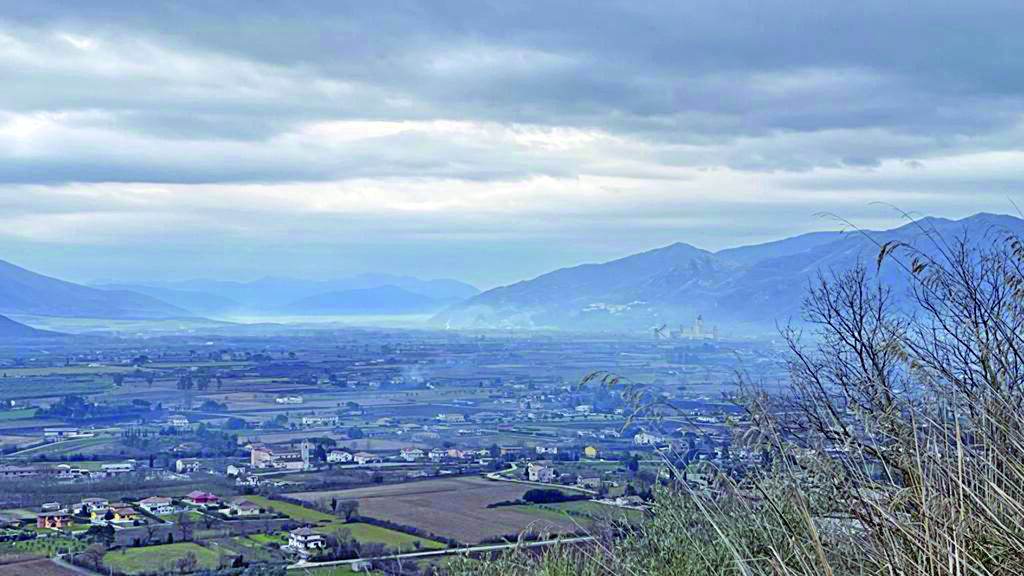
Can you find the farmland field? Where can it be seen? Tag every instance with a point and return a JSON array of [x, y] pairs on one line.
[[294, 511], [368, 533], [451, 507], [158, 558], [19, 566]]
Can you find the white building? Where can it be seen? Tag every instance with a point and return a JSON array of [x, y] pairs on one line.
[[306, 542], [119, 468], [178, 422], [319, 420], [339, 457], [158, 505], [645, 439], [540, 472], [186, 465]]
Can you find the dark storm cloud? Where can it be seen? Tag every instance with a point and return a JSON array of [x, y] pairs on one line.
[[467, 129], [682, 71]]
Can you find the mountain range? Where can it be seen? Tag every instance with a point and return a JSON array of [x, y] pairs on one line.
[[750, 289], [363, 294], [743, 290], [28, 293]]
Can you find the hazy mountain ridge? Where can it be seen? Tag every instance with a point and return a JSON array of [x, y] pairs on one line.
[[26, 292], [750, 287], [377, 300], [11, 330], [363, 294]]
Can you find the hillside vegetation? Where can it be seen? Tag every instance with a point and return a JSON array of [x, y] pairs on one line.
[[899, 449]]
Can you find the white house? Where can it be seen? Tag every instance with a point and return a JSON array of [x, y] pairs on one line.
[[540, 472], [364, 457], [158, 505], [412, 454], [186, 465], [645, 439], [306, 542], [178, 421], [339, 456]]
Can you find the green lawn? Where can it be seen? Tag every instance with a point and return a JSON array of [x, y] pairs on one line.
[[593, 510], [294, 511], [368, 533], [268, 538], [158, 558], [22, 414]]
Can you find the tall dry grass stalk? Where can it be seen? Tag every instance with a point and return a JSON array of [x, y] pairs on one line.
[[899, 449]]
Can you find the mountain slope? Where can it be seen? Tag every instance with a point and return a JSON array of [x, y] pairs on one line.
[[11, 330], [752, 287], [25, 292], [198, 303]]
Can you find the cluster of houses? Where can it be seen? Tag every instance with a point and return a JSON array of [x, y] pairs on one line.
[[100, 511]]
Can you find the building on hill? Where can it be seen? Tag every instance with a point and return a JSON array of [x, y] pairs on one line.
[[178, 422], [244, 507], [56, 520], [200, 497], [306, 543], [87, 505], [339, 457], [119, 468], [157, 505], [412, 454], [261, 456], [540, 472], [187, 465], [365, 457]]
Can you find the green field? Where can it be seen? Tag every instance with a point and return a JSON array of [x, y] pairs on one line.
[[23, 414], [591, 510], [295, 512], [368, 533], [45, 546], [158, 558]]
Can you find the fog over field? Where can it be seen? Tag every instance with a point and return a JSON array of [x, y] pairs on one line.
[[512, 288]]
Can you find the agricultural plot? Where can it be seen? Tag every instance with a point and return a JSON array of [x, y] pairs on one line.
[[19, 566], [370, 534], [452, 507], [294, 511], [155, 559]]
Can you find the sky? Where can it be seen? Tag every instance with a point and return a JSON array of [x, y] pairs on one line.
[[487, 141]]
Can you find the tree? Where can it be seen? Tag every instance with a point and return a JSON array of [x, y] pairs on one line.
[[93, 555], [186, 384], [118, 379], [188, 563], [354, 433], [348, 509]]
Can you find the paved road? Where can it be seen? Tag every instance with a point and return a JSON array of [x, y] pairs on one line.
[[445, 552], [497, 476]]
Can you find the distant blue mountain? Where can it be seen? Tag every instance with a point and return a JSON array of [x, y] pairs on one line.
[[377, 300], [751, 288], [297, 296], [11, 330], [28, 293]]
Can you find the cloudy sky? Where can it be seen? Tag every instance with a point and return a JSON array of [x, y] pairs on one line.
[[487, 141]]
